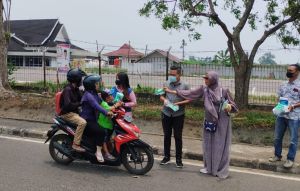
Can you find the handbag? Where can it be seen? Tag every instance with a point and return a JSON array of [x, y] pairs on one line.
[[212, 126]]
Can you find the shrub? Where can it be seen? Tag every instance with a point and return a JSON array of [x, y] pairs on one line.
[[10, 70]]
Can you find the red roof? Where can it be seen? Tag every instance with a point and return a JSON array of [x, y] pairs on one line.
[[125, 50]]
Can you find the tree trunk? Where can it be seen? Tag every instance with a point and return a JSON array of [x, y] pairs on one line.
[[242, 82], [3, 54]]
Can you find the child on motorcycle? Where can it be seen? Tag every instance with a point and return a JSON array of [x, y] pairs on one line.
[[105, 122]]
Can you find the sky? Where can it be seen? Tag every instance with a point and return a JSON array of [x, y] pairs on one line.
[[114, 22]]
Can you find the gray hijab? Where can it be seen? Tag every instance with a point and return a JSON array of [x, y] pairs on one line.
[[212, 94]]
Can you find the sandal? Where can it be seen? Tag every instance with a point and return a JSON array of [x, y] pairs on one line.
[[109, 156], [78, 148], [99, 157]]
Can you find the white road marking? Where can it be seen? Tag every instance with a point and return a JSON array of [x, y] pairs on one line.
[[250, 171], [245, 171], [198, 163], [25, 139]]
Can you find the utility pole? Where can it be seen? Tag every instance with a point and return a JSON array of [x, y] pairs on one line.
[[146, 50], [44, 49], [128, 52], [182, 46], [99, 57], [167, 64]]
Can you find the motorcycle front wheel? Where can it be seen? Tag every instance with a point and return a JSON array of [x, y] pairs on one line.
[[139, 164], [59, 146]]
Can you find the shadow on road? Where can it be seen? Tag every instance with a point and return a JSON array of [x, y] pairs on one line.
[[86, 167]]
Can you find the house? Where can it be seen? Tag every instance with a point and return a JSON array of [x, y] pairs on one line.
[[31, 40], [123, 55], [152, 63], [159, 56]]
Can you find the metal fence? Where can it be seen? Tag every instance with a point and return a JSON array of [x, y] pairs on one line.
[[264, 82]]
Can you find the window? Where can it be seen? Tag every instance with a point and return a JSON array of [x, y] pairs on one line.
[[15, 60], [34, 61]]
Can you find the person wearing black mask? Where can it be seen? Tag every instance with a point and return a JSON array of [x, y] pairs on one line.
[[290, 120], [123, 86]]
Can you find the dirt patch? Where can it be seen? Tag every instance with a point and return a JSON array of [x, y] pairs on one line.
[[28, 107]]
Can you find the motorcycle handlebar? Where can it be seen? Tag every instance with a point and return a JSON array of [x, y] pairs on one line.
[[118, 112]]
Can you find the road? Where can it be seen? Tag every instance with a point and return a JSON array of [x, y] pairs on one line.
[[26, 165]]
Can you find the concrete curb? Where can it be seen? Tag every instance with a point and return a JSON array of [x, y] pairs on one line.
[[46, 122], [26, 120], [22, 132], [238, 162]]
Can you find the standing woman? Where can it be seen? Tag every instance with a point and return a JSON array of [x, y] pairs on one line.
[[123, 86], [216, 145]]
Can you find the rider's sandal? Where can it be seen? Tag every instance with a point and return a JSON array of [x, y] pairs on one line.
[[78, 148], [99, 157], [109, 157]]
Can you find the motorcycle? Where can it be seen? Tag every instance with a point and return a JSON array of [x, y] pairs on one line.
[[135, 155]]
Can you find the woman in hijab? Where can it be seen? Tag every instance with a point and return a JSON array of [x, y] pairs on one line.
[[216, 145]]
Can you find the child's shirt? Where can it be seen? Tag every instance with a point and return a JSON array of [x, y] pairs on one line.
[[105, 121]]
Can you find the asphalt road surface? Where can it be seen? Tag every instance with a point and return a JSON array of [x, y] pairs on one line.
[[25, 164]]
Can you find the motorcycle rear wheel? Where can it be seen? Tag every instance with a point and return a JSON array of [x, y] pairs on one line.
[[144, 155], [66, 143]]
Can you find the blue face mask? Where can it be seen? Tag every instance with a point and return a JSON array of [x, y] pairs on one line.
[[172, 79]]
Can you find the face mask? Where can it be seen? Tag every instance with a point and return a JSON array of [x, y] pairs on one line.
[[289, 74], [118, 82], [81, 88], [172, 79]]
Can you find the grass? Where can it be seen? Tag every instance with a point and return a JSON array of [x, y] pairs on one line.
[[105, 70], [149, 108], [254, 119], [249, 119], [272, 99], [52, 88], [140, 89], [39, 86]]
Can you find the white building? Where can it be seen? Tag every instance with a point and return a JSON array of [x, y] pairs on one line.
[[153, 63], [29, 38]]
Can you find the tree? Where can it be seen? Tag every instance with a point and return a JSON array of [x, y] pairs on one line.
[[4, 40], [281, 18], [222, 57], [267, 58]]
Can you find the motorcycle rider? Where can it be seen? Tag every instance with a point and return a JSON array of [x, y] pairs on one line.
[[69, 104], [90, 112]]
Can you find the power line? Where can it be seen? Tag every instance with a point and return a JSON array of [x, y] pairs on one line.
[[146, 49]]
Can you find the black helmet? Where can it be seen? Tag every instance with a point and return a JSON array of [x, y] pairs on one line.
[[90, 81], [75, 75]]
